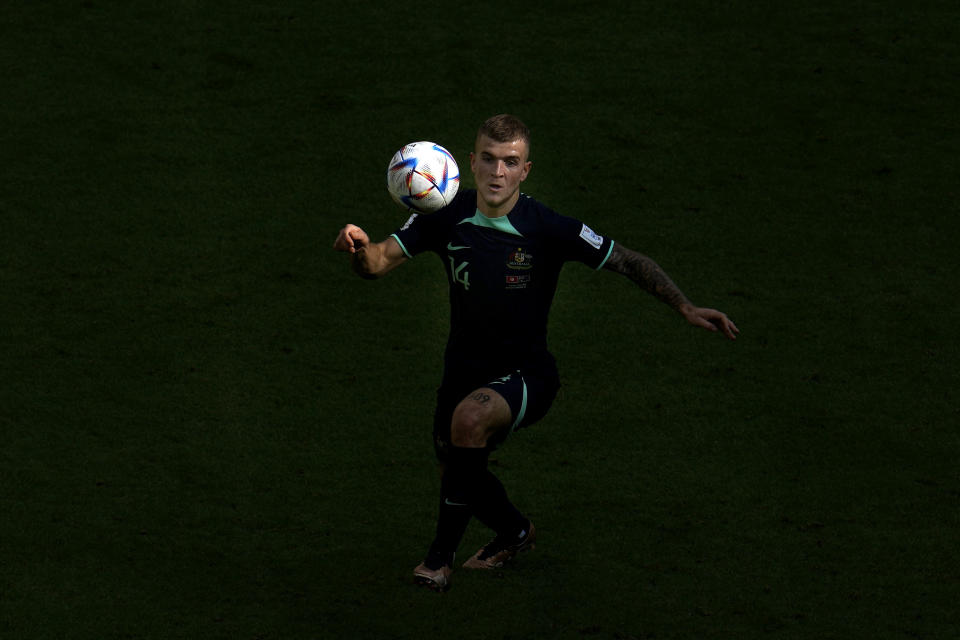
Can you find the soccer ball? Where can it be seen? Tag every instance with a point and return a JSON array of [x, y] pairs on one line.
[[423, 177]]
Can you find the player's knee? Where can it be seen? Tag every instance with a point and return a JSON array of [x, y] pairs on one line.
[[469, 427]]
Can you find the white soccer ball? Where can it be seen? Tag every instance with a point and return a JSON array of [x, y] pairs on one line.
[[423, 177]]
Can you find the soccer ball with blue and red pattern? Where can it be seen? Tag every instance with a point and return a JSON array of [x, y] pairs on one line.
[[423, 177]]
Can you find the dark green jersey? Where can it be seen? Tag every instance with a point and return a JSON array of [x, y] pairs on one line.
[[503, 275]]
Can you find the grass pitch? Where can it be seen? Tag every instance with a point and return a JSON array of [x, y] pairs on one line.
[[211, 428]]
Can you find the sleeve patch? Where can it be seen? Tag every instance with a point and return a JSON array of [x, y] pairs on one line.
[[590, 237], [408, 222]]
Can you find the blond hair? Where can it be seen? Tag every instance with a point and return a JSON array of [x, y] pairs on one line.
[[505, 128]]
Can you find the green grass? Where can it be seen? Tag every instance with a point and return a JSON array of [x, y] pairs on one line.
[[211, 428]]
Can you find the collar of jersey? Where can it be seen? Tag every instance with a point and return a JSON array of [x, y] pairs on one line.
[[501, 224]]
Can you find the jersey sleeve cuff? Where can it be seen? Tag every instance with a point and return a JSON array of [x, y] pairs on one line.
[[403, 248], [605, 258]]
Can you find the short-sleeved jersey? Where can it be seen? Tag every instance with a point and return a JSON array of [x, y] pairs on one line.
[[502, 274]]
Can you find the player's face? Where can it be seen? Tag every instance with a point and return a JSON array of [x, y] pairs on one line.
[[499, 168]]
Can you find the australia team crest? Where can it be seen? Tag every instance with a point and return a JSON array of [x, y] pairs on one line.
[[518, 262], [520, 259]]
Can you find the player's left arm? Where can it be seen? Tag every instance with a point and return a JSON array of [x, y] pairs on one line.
[[653, 279], [370, 260]]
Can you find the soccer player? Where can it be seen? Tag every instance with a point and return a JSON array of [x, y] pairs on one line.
[[502, 251]]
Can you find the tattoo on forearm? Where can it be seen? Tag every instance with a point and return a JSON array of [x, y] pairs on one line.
[[647, 274], [481, 397]]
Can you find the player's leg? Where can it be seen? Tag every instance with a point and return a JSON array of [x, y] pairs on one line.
[[482, 419], [479, 418], [461, 421], [465, 433], [453, 515], [529, 397], [463, 428]]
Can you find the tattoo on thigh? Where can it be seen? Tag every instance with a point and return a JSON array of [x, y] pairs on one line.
[[481, 397]]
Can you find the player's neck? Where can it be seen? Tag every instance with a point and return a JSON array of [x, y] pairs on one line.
[[497, 211]]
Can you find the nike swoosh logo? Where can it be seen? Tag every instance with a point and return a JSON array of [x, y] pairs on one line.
[[455, 504], [450, 247]]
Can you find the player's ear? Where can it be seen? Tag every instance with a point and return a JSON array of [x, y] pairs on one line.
[[526, 170]]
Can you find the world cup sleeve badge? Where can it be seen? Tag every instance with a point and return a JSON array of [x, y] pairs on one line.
[[592, 238]]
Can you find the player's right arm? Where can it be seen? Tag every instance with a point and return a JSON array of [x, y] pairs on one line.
[[369, 259], [648, 274]]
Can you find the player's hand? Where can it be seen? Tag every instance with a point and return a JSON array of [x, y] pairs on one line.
[[351, 239], [711, 320]]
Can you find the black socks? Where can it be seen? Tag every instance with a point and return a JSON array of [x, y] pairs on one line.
[[469, 489]]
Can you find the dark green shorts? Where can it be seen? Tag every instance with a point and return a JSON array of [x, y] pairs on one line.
[[528, 392]]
